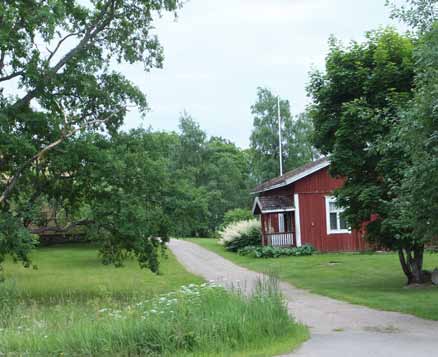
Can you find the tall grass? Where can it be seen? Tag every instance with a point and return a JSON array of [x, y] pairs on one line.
[[195, 320]]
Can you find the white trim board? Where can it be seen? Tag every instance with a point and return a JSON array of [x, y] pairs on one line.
[[279, 210], [256, 202], [297, 219]]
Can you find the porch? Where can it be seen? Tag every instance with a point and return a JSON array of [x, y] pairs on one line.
[[285, 239], [277, 220]]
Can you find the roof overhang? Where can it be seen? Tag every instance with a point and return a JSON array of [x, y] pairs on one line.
[[288, 181], [257, 208]]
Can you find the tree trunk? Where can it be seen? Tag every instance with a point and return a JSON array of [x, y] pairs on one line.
[[411, 260]]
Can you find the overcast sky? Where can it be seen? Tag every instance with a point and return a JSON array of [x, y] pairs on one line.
[[219, 51]]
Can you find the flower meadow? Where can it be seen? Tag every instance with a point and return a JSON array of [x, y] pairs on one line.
[[195, 320]]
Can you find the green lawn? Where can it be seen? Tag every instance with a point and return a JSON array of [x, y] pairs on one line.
[[74, 305], [75, 273], [374, 280]]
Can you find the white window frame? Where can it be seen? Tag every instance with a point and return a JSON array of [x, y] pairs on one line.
[[280, 222], [328, 200]]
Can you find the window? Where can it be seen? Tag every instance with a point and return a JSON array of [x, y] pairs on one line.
[[285, 222], [281, 222], [335, 222]]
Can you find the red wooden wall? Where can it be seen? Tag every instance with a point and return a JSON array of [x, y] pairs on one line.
[[312, 191]]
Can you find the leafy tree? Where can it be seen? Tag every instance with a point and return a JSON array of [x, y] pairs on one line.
[[192, 143], [227, 179], [57, 56], [418, 14], [418, 132], [356, 105], [125, 181], [236, 215], [213, 177], [296, 143]]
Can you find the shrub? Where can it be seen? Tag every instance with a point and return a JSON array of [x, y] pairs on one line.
[[275, 252], [241, 234], [236, 215]]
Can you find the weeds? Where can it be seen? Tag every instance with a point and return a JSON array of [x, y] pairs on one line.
[[197, 319]]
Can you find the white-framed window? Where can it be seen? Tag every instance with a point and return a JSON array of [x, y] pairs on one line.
[[335, 222]]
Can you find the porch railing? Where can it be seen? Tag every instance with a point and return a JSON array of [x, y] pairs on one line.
[[285, 239]]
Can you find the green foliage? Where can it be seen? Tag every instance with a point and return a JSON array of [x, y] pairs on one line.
[[374, 110], [14, 239], [124, 189], [68, 93], [356, 106], [276, 252], [252, 237], [236, 215], [212, 175], [418, 14], [127, 182], [296, 137], [194, 320], [418, 132]]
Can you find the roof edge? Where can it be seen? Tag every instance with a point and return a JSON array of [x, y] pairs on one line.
[[297, 177]]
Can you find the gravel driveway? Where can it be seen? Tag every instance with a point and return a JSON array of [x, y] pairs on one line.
[[338, 329]]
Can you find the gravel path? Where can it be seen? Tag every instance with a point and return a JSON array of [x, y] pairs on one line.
[[338, 329]]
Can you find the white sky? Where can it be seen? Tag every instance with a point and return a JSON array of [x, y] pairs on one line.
[[219, 51]]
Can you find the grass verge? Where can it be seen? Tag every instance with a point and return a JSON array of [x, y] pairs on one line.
[[374, 280], [74, 306]]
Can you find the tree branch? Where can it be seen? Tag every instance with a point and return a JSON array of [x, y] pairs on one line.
[[57, 229], [2, 60], [52, 53], [103, 20], [13, 181], [12, 75]]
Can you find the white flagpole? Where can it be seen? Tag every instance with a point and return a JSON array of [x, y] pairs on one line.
[[279, 136]]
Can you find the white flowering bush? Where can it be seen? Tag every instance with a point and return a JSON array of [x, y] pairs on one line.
[[241, 234]]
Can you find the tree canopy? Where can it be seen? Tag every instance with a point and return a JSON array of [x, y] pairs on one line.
[[356, 106], [296, 137], [58, 86]]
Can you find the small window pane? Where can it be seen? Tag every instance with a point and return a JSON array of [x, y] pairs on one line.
[[333, 221], [343, 223], [332, 206]]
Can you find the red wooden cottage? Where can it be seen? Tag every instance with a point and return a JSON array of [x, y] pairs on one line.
[[298, 208]]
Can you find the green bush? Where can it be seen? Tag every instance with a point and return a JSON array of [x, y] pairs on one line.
[[275, 252], [236, 215], [252, 237]]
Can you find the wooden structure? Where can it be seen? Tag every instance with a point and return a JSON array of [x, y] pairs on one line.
[[298, 208]]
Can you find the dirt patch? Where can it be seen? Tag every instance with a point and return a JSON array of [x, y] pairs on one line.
[[382, 329], [332, 263]]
